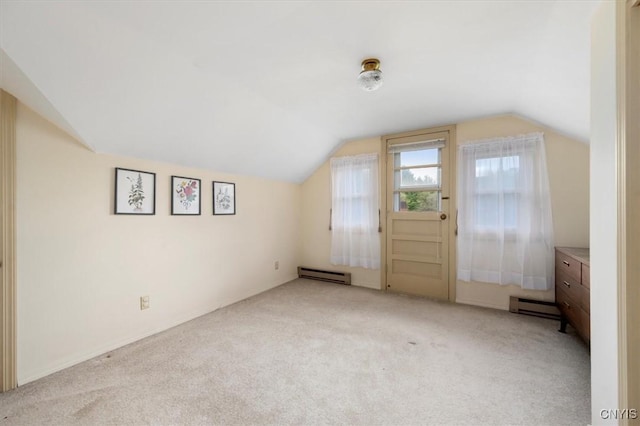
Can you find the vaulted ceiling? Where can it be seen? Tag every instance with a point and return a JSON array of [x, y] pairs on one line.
[[268, 88]]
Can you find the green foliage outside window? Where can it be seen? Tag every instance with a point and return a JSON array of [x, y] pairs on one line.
[[418, 201]]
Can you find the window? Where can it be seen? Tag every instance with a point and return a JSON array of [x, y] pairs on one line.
[[352, 198], [354, 215], [497, 180], [505, 229], [417, 176]]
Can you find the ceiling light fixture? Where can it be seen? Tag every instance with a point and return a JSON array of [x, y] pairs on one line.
[[371, 77]]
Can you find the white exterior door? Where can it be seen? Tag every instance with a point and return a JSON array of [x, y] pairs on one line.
[[418, 214]]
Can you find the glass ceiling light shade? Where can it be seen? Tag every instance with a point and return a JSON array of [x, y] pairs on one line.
[[371, 77]]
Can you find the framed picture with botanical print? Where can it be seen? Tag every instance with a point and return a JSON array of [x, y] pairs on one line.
[[185, 196], [135, 192], [224, 198]]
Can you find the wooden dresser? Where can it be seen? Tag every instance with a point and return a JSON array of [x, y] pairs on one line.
[[572, 289]]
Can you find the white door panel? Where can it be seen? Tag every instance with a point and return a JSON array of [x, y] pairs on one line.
[[417, 215]]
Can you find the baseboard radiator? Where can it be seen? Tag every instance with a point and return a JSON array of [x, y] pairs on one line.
[[536, 308], [323, 275]]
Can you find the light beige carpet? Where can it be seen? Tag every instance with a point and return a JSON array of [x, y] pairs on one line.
[[309, 352]]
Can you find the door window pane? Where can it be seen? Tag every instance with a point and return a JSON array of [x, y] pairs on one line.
[[417, 201], [419, 169], [423, 176], [420, 157]]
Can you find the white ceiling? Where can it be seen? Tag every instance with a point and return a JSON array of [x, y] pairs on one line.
[[268, 88]]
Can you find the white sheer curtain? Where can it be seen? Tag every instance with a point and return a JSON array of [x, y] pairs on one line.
[[354, 220], [505, 232]]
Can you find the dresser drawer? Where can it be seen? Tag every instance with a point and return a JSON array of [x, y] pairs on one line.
[[585, 300], [572, 289], [569, 285], [585, 325], [569, 266], [570, 308], [586, 273]]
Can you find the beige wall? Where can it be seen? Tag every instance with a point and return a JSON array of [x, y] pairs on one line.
[[82, 269], [316, 203], [568, 166]]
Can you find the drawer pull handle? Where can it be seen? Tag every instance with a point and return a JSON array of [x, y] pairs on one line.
[[566, 283], [567, 304], [565, 262]]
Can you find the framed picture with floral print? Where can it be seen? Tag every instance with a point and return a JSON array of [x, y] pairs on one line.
[[185, 196], [135, 192], [224, 198]]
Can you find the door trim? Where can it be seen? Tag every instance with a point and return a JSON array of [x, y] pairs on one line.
[[453, 149], [8, 370], [628, 160]]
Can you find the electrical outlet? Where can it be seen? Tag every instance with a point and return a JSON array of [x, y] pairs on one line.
[[276, 265], [144, 302]]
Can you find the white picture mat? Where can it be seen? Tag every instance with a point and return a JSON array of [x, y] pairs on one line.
[[126, 180], [181, 205], [224, 198]]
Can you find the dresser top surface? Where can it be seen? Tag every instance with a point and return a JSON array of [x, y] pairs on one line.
[[580, 254]]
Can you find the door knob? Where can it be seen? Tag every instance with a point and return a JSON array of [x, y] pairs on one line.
[[443, 216]]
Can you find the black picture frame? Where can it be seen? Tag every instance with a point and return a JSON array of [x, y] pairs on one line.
[[224, 198], [186, 196], [135, 192]]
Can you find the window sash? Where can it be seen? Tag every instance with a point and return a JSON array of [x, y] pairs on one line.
[[418, 178]]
